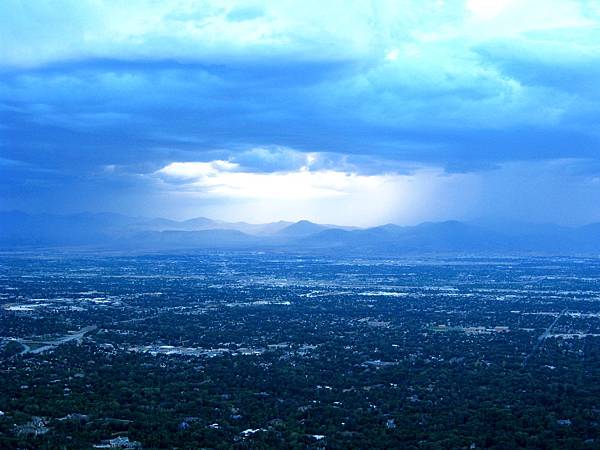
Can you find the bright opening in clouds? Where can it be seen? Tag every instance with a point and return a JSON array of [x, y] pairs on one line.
[[370, 112], [218, 179], [311, 190], [290, 195], [488, 9]]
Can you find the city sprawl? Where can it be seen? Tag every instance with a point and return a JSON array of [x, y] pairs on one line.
[[265, 350]]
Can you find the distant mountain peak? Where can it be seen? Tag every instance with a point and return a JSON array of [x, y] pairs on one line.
[[301, 228]]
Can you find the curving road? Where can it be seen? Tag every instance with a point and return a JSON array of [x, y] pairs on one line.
[[51, 344]]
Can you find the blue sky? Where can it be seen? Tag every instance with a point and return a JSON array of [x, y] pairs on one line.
[[342, 112]]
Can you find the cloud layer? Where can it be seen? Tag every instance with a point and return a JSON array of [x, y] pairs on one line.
[[110, 99]]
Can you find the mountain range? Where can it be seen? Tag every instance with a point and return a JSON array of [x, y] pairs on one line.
[[20, 230]]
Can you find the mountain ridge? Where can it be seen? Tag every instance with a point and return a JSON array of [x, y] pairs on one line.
[[108, 230]]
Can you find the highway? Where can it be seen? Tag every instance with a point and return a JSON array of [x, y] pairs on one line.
[[51, 344]]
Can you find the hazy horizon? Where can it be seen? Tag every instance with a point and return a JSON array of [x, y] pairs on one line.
[[476, 221]]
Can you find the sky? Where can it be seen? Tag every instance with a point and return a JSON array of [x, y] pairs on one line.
[[346, 112]]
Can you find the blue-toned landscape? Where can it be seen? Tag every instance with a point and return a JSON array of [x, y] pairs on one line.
[[256, 224]]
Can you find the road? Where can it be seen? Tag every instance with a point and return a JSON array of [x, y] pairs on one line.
[[542, 337], [49, 345]]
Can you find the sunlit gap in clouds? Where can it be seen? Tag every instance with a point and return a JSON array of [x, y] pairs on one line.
[[330, 195]]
